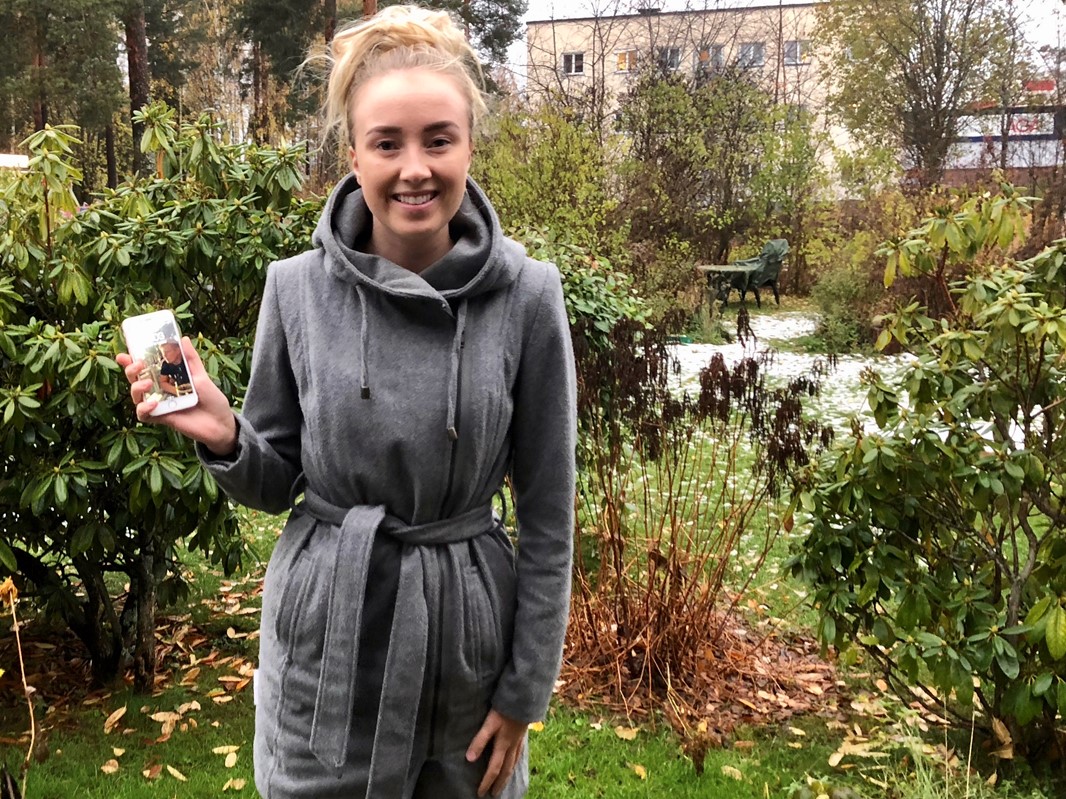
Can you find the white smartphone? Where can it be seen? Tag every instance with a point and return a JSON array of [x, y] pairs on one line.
[[155, 339]]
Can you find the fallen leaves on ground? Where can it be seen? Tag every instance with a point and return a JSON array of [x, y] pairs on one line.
[[626, 733], [733, 773], [186, 654], [639, 770], [113, 720]]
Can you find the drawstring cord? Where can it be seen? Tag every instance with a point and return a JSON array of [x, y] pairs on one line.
[[364, 388], [453, 377], [456, 357]]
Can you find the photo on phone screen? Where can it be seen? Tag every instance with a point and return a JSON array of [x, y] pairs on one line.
[[155, 339]]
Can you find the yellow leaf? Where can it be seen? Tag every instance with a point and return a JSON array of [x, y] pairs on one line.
[[835, 758], [231, 760], [735, 773], [177, 774], [235, 784], [639, 770], [8, 592], [537, 726], [110, 767], [626, 733], [797, 731], [118, 752], [113, 719], [225, 750], [1001, 732]]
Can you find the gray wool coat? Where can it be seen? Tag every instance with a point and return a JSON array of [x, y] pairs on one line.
[[386, 408]]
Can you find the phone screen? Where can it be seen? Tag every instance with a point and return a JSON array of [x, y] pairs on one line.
[[155, 339]]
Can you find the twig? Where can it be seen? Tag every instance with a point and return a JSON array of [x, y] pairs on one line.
[[9, 596]]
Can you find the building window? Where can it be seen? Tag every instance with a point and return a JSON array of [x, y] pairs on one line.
[[627, 61], [710, 57], [797, 52], [669, 58], [573, 63], [752, 54]]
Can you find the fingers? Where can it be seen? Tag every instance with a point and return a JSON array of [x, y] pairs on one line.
[[481, 740], [507, 769], [192, 357], [494, 771], [507, 738]]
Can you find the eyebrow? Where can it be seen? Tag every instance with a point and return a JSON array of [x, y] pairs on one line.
[[392, 130]]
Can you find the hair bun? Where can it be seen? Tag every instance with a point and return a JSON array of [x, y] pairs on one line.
[[399, 37], [400, 26]]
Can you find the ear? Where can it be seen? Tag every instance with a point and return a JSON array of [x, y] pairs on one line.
[[353, 159]]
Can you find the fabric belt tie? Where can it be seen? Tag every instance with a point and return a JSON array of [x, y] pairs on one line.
[[405, 662]]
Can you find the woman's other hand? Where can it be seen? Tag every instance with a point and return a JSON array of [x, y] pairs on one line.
[[210, 421], [507, 737]]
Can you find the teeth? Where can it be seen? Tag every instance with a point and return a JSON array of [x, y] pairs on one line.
[[414, 199]]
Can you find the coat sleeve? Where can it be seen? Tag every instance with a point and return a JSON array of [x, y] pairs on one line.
[[544, 430], [261, 472]]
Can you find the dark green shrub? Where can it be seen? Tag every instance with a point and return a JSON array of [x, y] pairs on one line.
[[938, 538], [89, 497]]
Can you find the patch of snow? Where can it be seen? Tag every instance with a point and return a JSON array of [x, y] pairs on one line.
[[842, 394]]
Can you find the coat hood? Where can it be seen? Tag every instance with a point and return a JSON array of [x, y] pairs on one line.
[[482, 260]]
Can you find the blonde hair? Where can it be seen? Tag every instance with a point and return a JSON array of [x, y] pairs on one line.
[[398, 38]]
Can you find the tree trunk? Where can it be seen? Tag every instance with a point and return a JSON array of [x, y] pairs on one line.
[[109, 152], [142, 598], [98, 626], [330, 13], [259, 95], [140, 86], [40, 96]]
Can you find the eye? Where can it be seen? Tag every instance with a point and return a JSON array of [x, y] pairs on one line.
[[385, 145], [440, 141]]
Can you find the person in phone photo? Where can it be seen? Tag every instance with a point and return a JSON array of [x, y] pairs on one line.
[[404, 367], [173, 376]]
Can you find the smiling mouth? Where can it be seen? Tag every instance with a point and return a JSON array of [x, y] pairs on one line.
[[415, 199]]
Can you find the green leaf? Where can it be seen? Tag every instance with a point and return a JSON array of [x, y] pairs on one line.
[[1042, 683], [1007, 660], [1055, 634], [1037, 611], [60, 489], [82, 540], [7, 557]]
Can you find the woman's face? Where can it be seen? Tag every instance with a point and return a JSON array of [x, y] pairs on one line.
[[411, 149]]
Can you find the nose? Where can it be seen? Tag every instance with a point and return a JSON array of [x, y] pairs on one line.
[[415, 166]]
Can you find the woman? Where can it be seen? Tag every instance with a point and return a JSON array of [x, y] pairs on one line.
[[401, 370]]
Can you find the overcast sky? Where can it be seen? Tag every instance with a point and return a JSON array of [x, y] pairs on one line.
[[1046, 19]]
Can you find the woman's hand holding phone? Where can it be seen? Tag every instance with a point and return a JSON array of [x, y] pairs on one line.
[[210, 421]]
